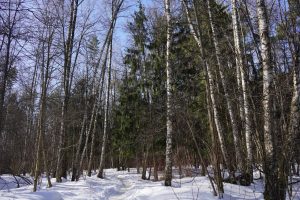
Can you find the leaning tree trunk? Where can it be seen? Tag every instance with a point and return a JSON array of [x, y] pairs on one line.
[[93, 123], [97, 104], [211, 101], [203, 164], [94, 120], [168, 167], [270, 161], [240, 64], [95, 111], [212, 90], [106, 112], [229, 103], [215, 144]]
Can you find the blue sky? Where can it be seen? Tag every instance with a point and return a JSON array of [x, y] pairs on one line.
[[121, 34]]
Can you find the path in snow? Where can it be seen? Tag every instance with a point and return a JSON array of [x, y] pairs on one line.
[[123, 185], [126, 185]]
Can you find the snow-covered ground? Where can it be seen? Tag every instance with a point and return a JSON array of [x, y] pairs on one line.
[[123, 185]]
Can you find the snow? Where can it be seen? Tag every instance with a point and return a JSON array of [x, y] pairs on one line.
[[123, 185]]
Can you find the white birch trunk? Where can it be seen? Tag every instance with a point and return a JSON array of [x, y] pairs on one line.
[[245, 106], [267, 74], [229, 103], [238, 58], [106, 112], [216, 117], [294, 125], [210, 96], [168, 167], [94, 118], [271, 174], [116, 6], [240, 93]]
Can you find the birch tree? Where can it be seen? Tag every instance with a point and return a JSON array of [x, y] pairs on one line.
[[241, 77], [229, 103], [106, 113], [116, 6], [211, 100], [97, 91], [99, 87], [168, 166], [270, 162]]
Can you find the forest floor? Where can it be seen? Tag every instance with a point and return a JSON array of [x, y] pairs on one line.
[[124, 185]]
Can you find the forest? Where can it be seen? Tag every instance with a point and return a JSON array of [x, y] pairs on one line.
[[170, 89]]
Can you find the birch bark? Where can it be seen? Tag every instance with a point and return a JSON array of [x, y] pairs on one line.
[[229, 103], [211, 108], [245, 106], [168, 167], [106, 112], [270, 162], [116, 6]]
